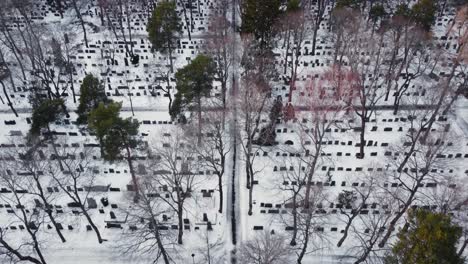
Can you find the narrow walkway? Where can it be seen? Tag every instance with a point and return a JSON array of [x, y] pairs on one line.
[[233, 207]]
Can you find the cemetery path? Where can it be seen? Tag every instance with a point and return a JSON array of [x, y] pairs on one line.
[[233, 181], [28, 110]]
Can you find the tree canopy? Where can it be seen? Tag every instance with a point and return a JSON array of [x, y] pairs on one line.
[[46, 112], [428, 238], [114, 132], [164, 27], [92, 93], [258, 17], [193, 82], [424, 13]]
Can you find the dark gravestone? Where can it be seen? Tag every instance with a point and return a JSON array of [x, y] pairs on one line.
[[104, 201], [91, 203]]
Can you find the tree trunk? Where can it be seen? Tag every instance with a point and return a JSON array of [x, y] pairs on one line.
[[305, 243], [55, 148], [187, 21], [247, 165], [35, 243], [48, 209], [8, 99], [462, 249], [169, 92], [250, 199], [180, 220], [294, 213], [287, 50], [170, 56], [159, 242], [362, 135], [439, 103], [80, 18], [72, 87], [346, 230], [199, 135], [101, 14], [310, 175], [91, 223], [220, 186], [314, 39], [366, 253], [408, 203], [396, 103], [132, 173]]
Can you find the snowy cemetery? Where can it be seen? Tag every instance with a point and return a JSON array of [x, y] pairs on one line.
[[311, 144]]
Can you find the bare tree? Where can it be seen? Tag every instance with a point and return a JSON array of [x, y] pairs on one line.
[[219, 44], [79, 171], [78, 5], [162, 81], [316, 14], [145, 235], [419, 162], [325, 102], [5, 73], [367, 236], [265, 248], [175, 167], [121, 12], [342, 20], [31, 248], [310, 224], [214, 149], [254, 99], [296, 29], [354, 201], [417, 59], [34, 165], [294, 181], [211, 248], [365, 56]]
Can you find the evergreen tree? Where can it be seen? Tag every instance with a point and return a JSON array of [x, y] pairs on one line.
[[293, 5], [427, 238], [46, 112], [402, 11], [193, 81], [377, 12], [116, 135], [258, 17], [102, 118], [164, 28], [92, 93], [424, 13]]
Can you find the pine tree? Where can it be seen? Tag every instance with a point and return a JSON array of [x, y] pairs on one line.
[[102, 118], [377, 12], [116, 135], [45, 113], [258, 17], [164, 28], [193, 81], [402, 11], [424, 13], [91, 94], [427, 238]]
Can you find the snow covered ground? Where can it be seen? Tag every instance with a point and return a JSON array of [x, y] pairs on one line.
[[144, 94]]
